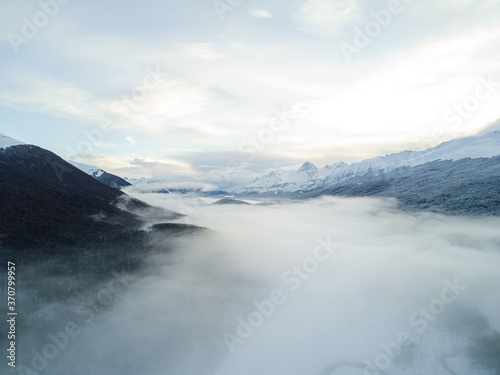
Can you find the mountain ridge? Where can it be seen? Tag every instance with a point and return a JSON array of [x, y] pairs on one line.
[[6, 141], [48, 203], [284, 181], [101, 175]]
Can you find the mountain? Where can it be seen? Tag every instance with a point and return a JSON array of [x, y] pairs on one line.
[[308, 177], [494, 127], [47, 200], [96, 172], [7, 141], [101, 175], [284, 181], [463, 187], [48, 203], [225, 201]]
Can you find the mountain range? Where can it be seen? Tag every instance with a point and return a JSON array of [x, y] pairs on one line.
[[308, 177], [461, 176]]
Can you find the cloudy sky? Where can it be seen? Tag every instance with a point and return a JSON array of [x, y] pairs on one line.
[[197, 87]]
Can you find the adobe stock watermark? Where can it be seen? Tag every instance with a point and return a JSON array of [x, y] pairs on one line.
[[57, 342], [124, 106], [421, 320], [151, 81], [32, 25], [372, 29], [258, 142], [293, 278], [486, 88], [223, 6]]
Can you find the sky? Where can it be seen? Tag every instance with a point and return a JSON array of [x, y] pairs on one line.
[[196, 88]]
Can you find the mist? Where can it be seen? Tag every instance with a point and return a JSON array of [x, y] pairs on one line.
[[326, 286]]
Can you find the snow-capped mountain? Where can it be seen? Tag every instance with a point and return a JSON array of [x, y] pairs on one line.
[[8, 141], [96, 172], [309, 177], [101, 175]]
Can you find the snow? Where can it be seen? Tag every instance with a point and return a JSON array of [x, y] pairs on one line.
[[145, 180], [89, 169], [8, 141], [83, 167], [483, 145], [494, 127]]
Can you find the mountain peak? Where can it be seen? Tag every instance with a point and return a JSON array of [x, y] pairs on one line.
[[8, 141], [307, 166], [338, 165], [101, 175]]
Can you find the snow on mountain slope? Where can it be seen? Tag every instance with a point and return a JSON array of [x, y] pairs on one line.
[[286, 180], [309, 177], [145, 180], [89, 169], [101, 175], [8, 141], [484, 146], [494, 127]]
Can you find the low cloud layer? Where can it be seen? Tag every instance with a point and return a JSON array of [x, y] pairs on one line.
[[299, 288]]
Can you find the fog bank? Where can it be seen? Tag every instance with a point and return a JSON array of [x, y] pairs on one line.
[[325, 286]]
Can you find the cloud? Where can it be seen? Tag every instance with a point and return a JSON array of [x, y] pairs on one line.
[[222, 79], [455, 7], [173, 101], [131, 140], [346, 307], [328, 17], [338, 18], [202, 128], [33, 92], [200, 51], [261, 13], [144, 167], [232, 169]]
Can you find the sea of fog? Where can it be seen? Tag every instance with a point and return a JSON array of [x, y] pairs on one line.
[[327, 286]]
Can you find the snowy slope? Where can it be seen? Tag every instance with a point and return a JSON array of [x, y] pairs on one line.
[[8, 142], [146, 180], [309, 177], [285, 180], [89, 169], [101, 175]]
